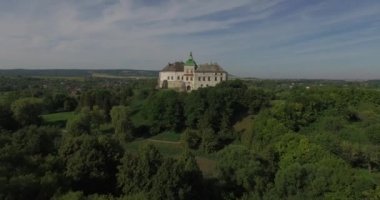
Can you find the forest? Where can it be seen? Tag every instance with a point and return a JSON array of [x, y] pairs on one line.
[[122, 139]]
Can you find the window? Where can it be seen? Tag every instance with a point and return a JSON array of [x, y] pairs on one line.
[[206, 85], [221, 78], [172, 78], [182, 78], [204, 78], [209, 79], [216, 78], [191, 78], [168, 78], [177, 77], [201, 85], [199, 78], [187, 78]]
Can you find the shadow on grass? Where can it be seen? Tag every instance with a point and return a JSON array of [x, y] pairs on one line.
[[59, 123]]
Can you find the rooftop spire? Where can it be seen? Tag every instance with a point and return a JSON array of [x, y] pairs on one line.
[[190, 61]]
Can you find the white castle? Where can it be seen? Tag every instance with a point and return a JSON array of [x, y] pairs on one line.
[[189, 76]]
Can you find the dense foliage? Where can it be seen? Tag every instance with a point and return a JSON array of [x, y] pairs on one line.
[[304, 140]]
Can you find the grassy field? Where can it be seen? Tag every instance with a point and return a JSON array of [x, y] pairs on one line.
[[168, 136], [167, 148], [168, 143], [57, 119], [245, 125]]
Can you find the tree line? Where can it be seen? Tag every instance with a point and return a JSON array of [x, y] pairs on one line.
[[315, 143]]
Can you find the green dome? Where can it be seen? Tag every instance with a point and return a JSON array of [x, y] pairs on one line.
[[190, 61]]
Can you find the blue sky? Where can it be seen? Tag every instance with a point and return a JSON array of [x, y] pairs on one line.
[[332, 39]]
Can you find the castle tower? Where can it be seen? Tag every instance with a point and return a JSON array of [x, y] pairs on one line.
[[189, 71]]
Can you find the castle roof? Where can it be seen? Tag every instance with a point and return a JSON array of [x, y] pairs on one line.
[[210, 67], [174, 67], [179, 66]]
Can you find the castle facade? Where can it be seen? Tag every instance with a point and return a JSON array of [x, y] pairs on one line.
[[188, 76]]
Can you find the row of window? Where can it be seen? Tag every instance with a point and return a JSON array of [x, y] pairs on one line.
[[190, 71], [209, 78], [191, 78]]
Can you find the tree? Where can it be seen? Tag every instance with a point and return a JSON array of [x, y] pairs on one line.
[[121, 122], [240, 170], [70, 104], [80, 123], [210, 142], [136, 172], [26, 163], [256, 99], [6, 118], [27, 111], [266, 131], [307, 171], [191, 139], [164, 111], [372, 194], [177, 179], [91, 162]]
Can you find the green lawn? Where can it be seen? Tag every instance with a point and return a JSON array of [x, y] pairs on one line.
[[58, 119], [168, 136], [166, 149], [245, 125], [168, 144]]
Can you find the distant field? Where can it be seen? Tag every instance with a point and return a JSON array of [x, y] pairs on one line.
[[105, 75], [58, 119], [102, 75], [74, 78], [78, 72]]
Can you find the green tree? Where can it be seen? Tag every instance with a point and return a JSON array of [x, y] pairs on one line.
[[91, 162], [27, 111], [240, 170], [80, 123], [164, 111], [136, 172], [191, 139], [6, 117], [121, 123], [70, 104], [177, 179], [210, 142]]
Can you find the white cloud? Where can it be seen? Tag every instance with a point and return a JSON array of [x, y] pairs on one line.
[[100, 33]]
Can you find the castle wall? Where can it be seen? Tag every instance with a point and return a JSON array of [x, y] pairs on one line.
[[173, 79], [180, 81], [207, 79]]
